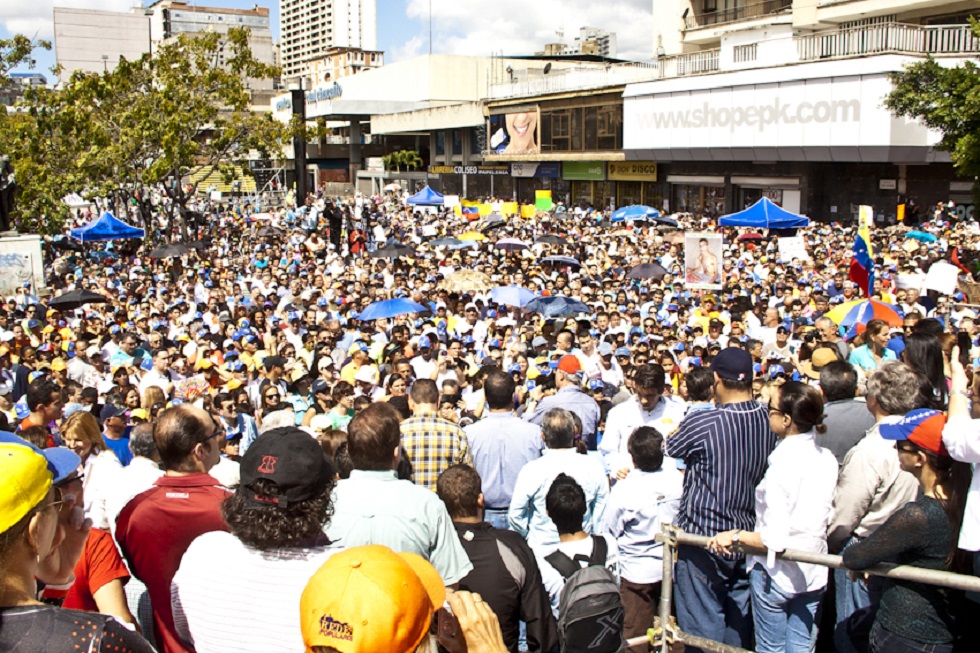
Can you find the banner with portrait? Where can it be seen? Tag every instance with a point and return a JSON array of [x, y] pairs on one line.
[[515, 132], [703, 257]]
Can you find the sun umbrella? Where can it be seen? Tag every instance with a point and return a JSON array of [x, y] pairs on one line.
[[466, 281], [444, 242], [491, 225], [634, 212], [551, 239], [556, 306], [204, 243], [512, 295], [262, 217], [664, 220], [752, 235], [392, 251], [68, 245], [858, 317], [647, 271], [390, 308], [270, 232], [839, 312], [561, 260], [463, 244], [511, 244], [921, 236], [472, 235], [76, 299], [173, 250]]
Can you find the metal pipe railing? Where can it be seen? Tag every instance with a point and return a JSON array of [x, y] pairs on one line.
[[665, 631]]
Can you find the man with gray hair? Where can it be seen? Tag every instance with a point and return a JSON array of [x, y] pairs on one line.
[[528, 514], [872, 485], [135, 478]]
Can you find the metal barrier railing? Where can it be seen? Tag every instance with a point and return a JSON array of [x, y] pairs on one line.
[[666, 632]]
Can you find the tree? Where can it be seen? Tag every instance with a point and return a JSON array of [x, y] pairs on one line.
[[410, 159], [947, 100], [148, 125]]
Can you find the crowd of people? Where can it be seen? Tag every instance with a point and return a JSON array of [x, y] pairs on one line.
[[230, 452]]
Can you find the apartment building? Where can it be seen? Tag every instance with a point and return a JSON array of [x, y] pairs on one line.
[[311, 28]]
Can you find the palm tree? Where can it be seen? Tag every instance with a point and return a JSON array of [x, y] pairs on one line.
[[410, 159]]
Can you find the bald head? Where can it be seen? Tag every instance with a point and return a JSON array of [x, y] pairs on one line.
[[177, 432]]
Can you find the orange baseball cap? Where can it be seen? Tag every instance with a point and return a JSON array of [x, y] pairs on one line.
[[369, 599]]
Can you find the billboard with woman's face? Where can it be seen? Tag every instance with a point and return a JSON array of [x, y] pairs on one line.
[[517, 132]]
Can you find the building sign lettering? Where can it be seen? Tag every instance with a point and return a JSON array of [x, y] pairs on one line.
[[469, 170], [632, 171]]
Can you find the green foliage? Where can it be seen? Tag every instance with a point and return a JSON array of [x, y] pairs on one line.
[[409, 159], [18, 51], [947, 100], [155, 120]]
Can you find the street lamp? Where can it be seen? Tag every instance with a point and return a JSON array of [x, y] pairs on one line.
[[298, 98], [149, 28], [105, 63]]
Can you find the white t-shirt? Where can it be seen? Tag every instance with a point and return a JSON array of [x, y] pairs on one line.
[[554, 582], [215, 595]]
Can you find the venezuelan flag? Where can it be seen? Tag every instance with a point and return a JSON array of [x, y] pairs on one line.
[[862, 270]]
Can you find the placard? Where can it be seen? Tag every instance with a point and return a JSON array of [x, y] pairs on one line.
[[793, 247], [703, 256]]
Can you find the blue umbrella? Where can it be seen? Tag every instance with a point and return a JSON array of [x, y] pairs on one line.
[[556, 306], [634, 212], [390, 308], [921, 236], [445, 242], [463, 244], [512, 295], [561, 260]]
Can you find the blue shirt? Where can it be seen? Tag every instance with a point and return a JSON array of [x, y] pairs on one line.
[[726, 451], [500, 445], [120, 447], [528, 514], [863, 358], [572, 399]]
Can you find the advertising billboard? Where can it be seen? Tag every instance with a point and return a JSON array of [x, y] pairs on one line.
[[517, 132]]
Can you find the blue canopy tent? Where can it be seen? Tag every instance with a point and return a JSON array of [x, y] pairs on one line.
[[106, 227], [426, 197], [765, 215]]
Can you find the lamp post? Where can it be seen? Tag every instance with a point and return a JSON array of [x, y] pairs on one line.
[[298, 98], [105, 63], [149, 28]]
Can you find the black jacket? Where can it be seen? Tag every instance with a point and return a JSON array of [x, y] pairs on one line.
[[506, 575]]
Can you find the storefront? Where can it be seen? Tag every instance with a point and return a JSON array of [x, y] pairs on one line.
[[815, 138], [636, 183]]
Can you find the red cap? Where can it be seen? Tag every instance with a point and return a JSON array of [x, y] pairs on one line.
[[569, 364]]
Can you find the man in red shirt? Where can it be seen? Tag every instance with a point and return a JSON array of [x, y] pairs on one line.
[[156, 527]]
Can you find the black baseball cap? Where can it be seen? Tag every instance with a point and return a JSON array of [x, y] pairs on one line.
[[292, 460], [274, 361], [731, 363]]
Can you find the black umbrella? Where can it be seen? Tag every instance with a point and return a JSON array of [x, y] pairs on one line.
[[68, 245], [491, 225], [204, 243], [75, 299], [647, 271], [551, 239], [269, 232], [172, 250], [393, 251]]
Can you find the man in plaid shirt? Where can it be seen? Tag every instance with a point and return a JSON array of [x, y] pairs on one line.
[[432, 443]]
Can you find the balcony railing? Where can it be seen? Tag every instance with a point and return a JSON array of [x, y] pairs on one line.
[[888, 37], [746, 11]]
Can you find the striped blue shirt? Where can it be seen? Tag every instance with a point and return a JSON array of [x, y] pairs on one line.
[[726, 450]]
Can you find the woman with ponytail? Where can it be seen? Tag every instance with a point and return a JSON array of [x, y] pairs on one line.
[[793, 505], [916, 616]]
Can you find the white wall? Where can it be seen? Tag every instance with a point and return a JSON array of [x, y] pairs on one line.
[[83, 36]]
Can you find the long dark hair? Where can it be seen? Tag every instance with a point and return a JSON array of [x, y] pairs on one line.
[[954, 478], [924, 354]]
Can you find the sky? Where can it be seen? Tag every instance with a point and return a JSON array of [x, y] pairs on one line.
[[474, 27]]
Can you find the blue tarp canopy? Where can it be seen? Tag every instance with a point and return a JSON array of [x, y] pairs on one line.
[[106, 227], [426, 197], [765, 215]]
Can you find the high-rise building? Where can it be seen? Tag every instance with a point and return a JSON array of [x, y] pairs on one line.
[[592, 40], [309, 28]]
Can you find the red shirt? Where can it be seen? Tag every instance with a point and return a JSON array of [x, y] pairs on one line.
[[99, 565], [155, 529]]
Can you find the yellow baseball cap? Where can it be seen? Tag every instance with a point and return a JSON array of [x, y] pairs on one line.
[[368, 599], [26, 481], [58, 365]]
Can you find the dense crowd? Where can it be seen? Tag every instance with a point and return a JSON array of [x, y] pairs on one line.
[[232, 451]]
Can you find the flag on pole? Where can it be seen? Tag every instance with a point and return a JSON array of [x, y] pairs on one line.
[[862, 270]]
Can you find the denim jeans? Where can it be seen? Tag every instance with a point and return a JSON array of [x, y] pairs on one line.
[[784, 622], [851, 595], [883, 641], [712, 597], [496, 518]]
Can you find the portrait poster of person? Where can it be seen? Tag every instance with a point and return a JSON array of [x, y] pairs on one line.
[[515, 133], [703, 253]]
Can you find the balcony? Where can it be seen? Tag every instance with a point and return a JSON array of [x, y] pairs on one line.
[[897, 38], [735, 14]]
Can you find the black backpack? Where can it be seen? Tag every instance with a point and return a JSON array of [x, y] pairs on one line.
[[590, 610]]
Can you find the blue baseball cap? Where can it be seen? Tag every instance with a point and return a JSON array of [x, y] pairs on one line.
[[733, 363], [425, 342], [62, 462], [624, 351]]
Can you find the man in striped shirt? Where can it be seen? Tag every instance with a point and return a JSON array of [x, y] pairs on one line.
[[725, 449]]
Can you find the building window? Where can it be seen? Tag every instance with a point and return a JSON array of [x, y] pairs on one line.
[[746, 53], [440, 143], [457, 142]]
